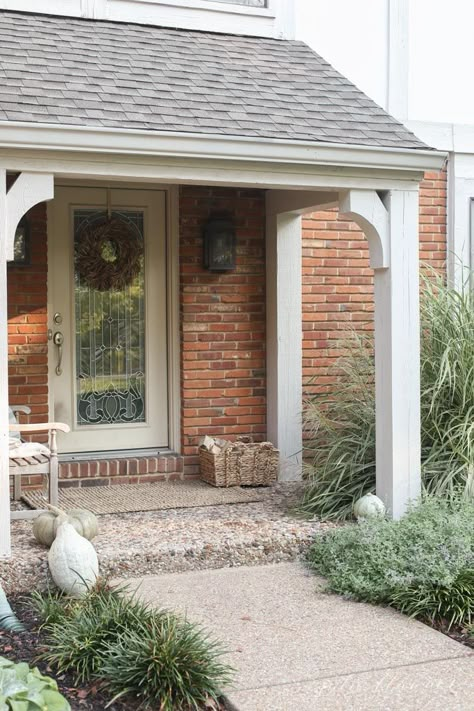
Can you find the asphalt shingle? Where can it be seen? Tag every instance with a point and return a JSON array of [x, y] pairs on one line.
[[97, 73]]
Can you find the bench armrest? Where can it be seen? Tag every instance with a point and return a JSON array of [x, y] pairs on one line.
[[42, 427]]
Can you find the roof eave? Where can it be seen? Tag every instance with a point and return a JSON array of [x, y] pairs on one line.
[[100, 140]]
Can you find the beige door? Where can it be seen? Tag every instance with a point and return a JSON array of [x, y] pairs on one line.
[[107, 302]]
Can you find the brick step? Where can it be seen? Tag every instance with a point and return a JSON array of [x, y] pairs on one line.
[[129, 470]]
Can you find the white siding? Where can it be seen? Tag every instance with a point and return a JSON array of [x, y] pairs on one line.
[[352, 36]]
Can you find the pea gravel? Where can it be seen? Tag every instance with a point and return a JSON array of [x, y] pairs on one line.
[[134, 544]]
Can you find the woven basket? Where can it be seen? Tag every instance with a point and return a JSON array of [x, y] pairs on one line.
[[240, 464]]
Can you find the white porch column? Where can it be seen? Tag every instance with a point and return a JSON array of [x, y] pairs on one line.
[[284, 318], [27, 190], [392, 229], [4, 478], [284, 340]]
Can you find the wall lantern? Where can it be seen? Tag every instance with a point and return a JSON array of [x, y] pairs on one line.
[[21, 245], [220, 244]]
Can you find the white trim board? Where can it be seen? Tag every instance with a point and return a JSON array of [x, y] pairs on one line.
[[214, 5], [452, 137], [274, 21], [34, 136]]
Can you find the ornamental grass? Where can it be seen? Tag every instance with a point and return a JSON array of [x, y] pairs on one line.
[[340, 425]]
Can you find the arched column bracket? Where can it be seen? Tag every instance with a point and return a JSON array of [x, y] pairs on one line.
[[28, 190], [366, 209]]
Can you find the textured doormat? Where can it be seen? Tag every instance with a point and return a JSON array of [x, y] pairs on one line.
[[126, 498]]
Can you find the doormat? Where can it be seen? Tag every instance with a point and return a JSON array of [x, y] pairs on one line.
[[126, 498]]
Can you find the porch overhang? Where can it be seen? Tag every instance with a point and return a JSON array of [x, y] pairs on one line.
[[299, 177], [182, 158], [157, 144]]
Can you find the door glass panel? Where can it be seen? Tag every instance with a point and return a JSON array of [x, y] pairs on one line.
[[110, 330]]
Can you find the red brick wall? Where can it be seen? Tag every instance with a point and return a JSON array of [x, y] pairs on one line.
[[223, 315], [27, 324], [337, 279], [222, 322]]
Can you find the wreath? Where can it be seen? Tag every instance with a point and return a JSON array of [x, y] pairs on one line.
[[108, 255]]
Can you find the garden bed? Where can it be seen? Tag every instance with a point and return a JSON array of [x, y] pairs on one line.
[[27, 646], [460, 634], [421, 565]]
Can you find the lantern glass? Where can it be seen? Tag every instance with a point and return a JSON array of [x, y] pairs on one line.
[[219, 245], [21, 245]]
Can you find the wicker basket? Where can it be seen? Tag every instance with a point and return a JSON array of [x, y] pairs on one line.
[[240, 464]]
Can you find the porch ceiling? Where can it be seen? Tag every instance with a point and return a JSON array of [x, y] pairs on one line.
[[68, 71]]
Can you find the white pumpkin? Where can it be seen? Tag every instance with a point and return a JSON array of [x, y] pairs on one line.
[[369, 506], [72, 561]]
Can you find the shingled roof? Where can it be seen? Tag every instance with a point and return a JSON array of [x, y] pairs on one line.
[[63, 70]]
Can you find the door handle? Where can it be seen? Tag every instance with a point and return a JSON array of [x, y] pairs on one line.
[[58, 340]]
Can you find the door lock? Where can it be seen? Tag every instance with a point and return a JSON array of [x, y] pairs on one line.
[[58, 340]]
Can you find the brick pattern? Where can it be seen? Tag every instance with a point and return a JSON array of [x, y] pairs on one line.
[[222, 322], [121, 471], [433, 216], [338, 281], [27, 324]]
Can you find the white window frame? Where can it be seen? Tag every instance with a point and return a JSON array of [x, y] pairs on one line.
[[216, 6]]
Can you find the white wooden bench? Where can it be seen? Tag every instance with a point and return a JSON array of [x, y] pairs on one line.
[[44, 464]]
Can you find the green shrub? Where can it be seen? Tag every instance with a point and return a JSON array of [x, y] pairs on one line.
[[78, 632], [340, 425], [52, 606], [25, 689], [432, 546], [168, 663], [161, 659], [453, 603]]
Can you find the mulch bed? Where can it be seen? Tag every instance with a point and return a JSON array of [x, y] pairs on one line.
[[27, 646], [460, 634]]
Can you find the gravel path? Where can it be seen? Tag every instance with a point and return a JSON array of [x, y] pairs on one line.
[[134, 544]]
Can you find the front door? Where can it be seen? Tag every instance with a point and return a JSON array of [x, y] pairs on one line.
[[107, 312]]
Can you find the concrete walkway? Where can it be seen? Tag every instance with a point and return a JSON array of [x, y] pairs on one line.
[[297, 649]]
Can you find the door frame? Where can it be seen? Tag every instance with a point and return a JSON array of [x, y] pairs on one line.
[[172, 310]]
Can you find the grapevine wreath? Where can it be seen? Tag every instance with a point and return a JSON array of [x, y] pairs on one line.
[[108, 255]]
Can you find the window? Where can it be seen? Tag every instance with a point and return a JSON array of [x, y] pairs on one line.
[[251, 3]]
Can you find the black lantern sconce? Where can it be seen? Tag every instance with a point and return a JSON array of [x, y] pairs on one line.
[[220, 244], [21, 245]]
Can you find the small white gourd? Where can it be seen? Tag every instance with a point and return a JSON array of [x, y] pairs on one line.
[[72, 561], [369, 506]]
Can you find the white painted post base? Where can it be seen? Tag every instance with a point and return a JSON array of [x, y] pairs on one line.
[[392, 230], [397, 359], [284, 341]]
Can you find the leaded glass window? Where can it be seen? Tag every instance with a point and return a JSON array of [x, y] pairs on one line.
[[110, 338]]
